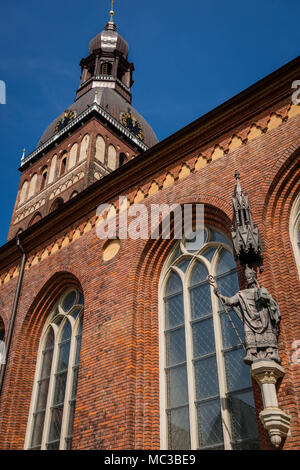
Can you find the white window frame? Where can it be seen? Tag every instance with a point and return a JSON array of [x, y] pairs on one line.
[[294, 226], [185, 279], [58, 330]]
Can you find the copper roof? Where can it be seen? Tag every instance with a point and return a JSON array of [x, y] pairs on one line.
[[112, 103], [109, 40]]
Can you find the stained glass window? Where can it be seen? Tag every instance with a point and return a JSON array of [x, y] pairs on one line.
[[54, 396], [208, 396]]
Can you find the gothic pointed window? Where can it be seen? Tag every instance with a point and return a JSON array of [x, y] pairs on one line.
[[63, 166], [23, 192], [32, 186], [44, 178], [53, 404], [295, 230], [206, 398]]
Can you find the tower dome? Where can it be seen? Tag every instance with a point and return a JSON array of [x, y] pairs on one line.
[[109, 41], [106, 81]]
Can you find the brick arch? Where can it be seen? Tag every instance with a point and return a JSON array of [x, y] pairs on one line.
[[279, 256], [74, 193], [20, 377], [286, 165], [36, 218], [46, 298], [281, 275], [58, 202], [145, 349]]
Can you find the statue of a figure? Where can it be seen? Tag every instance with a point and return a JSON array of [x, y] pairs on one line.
[[260, 315]]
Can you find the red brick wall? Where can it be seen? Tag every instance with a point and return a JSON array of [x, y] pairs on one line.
[[94, 127], [118, 389]]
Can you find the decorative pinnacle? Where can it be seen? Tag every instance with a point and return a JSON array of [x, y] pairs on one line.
[[238, 183], [23, 155], [237, 175], [112, 10]]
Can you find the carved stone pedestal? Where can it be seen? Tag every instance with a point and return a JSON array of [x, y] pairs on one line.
[[277, 423]]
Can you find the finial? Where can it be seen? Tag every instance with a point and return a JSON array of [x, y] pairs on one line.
[[238, 183], [111, 25], [23, 155], [112, 10]]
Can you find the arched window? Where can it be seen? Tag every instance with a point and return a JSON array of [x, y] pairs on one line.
[[52, 169], [56, 204], [44, 178], [84, 148], [295, 230], [73, 156], [106, 68], [36, 218], [23, 193], [52, 411], [206, 393], [32, 186], [123, 159], [112, 157], [63, 165], [100, 149]]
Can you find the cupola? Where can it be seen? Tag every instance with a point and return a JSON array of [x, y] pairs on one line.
[[107, 64]]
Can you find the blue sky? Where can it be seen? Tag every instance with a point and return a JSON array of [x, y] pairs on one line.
[[189, 57]]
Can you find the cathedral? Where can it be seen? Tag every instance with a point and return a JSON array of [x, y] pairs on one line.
[[125, 343]]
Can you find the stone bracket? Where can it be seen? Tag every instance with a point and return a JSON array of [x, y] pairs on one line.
[[275, 421]]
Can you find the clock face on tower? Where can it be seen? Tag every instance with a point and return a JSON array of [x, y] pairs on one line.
[[133, 125], [65, 120]]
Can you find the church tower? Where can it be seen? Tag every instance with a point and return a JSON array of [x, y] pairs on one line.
[[120, 343], [97, 134]]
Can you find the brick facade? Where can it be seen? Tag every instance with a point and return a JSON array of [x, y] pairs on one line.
[[118, 390], [82, 175]]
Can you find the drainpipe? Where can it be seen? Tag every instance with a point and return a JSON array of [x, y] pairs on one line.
[[14, 312]]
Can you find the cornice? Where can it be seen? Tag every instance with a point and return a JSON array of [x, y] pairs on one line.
[[234, 112], [116, 125]]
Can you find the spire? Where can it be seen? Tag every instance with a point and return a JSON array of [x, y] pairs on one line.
[[107, 65], [111, 26], [245, 236], [112, 11], [238, 183]]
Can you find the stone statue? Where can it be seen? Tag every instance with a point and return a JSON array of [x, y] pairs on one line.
[[260, 315]]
